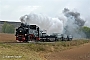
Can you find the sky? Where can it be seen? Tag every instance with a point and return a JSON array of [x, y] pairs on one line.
[[12, 10]]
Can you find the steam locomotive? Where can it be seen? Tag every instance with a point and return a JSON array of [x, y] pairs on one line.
[[26, 33]]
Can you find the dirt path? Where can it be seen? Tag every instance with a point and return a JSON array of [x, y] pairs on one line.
[[79, 53]]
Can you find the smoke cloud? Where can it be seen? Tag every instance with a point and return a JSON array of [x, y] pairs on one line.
[[73, 24], [69, 23]]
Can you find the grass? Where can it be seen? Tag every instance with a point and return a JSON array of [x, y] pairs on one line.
[[19, 52], [34, 51]]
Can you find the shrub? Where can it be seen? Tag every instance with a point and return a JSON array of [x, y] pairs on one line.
[[8, 28]]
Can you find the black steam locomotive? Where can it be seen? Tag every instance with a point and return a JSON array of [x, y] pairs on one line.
[[26, 33]]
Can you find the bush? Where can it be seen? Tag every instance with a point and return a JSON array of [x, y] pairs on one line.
[[86, 30], [8, 28], [4, 27]]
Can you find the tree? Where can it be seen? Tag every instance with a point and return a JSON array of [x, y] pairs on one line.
[[4, 27], [8, 28], [86, 30]]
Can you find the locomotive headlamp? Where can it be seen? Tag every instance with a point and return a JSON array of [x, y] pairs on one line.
[[20, 31]]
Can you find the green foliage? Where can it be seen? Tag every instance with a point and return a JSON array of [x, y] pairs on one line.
[[7, 28], [86, 30], [4, 27]]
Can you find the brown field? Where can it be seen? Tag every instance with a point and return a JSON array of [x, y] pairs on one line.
[[71, 50], [7, 37], [79, 53]]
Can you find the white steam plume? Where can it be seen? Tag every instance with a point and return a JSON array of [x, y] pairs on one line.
[[52, 25]]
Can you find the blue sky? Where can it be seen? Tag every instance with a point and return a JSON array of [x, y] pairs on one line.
[[12, 10]]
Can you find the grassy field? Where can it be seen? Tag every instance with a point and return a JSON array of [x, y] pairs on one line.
[[32, 51]]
